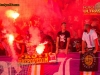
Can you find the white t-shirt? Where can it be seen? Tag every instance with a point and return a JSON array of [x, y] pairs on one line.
[[89, 38]]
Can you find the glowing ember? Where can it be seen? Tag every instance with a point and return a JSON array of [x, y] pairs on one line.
[[10, 39], [12, 14], [40, 48], [15, 15]]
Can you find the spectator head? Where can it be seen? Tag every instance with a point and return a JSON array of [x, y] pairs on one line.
[[63, 25]]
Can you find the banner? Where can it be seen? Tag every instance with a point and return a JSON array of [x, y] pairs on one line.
[[89, 61], [68, 65], [37, 59]]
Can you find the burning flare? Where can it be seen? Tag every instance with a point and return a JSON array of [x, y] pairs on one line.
[[12, 14], [40, 48], [10, 39]]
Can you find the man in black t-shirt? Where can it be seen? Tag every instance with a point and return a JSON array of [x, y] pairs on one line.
[[63, 39]]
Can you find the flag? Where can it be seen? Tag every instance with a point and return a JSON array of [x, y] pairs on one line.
[[89, 61], [87, 73]]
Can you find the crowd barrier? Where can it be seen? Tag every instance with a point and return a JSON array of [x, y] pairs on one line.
[[66, 65]]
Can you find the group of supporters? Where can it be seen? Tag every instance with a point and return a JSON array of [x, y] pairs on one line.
[[63, 43]]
